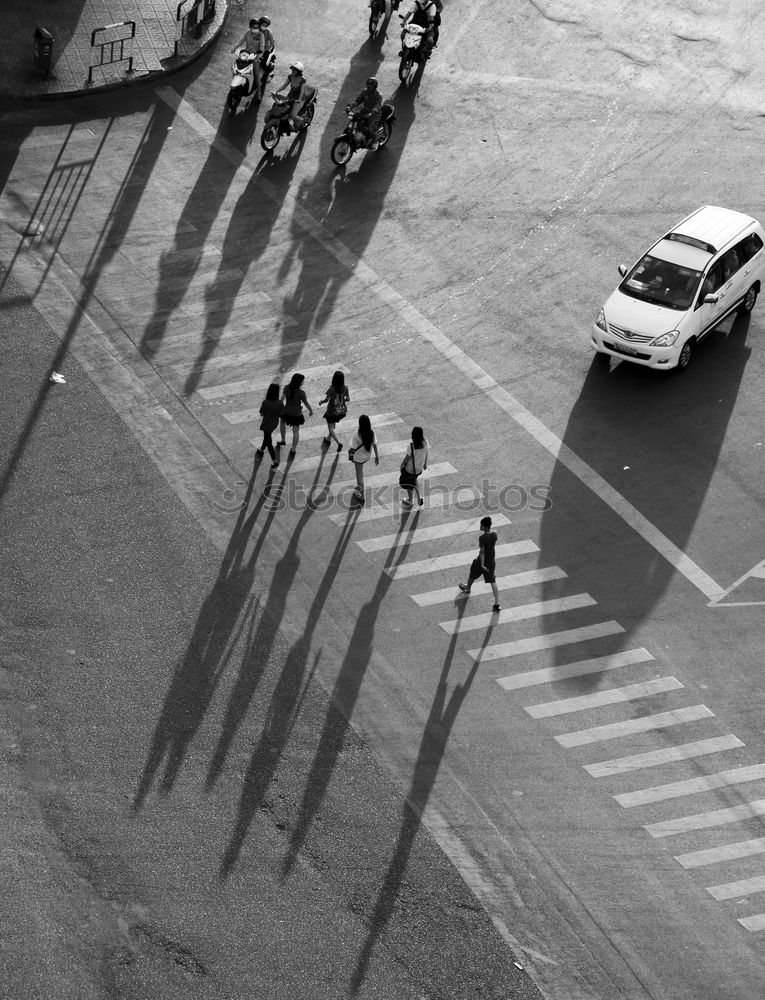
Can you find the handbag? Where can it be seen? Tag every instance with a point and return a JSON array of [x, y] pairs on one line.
[[407, 479], [350, 454]]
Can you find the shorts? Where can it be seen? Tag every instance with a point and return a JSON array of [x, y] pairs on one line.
[[476, 571], [292, 421], [334, 418]]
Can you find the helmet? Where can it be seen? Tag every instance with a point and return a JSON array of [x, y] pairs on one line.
[[297, 66], [264, 21], [372, 81]]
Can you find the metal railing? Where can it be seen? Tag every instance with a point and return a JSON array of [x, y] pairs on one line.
[[112, 50], [191, 18]]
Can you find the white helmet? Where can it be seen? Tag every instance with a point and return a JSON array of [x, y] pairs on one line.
[[298, 66]]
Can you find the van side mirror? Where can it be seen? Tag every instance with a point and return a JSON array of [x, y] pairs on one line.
[[711, 299], [622, 269]]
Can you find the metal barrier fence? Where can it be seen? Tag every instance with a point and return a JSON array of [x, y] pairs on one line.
[[191, 18], [112, 50]]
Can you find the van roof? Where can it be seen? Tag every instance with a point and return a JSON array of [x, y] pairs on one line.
[[711, 228]]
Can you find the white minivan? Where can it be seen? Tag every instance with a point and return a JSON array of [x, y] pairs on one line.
[[709, 265]]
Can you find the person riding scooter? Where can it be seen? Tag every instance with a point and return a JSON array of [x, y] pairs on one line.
[[366, 108], [426, 14], [258, 39], [296, 96]]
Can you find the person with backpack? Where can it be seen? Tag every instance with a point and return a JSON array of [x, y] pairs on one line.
[[337, 398]]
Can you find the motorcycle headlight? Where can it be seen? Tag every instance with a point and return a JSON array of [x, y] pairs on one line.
[[666, 339], [600, 322]]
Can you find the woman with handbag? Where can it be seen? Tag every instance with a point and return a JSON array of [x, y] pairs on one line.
[[413, 465], [337, 398], [363, 444]]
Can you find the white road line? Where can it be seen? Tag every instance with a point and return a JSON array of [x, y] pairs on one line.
[[456, 560], [220, 332], [526, 579], [256, 384], [707, 820], [745, 886], [391, 479], [521, 613], [691, 786], [383, 448], [252, 413], [427, 331], [667, 755], [247, 359], [549, 641], [615, 696], [597, 665], [728, 852], [755, 923], [629, 727], [346, 428], [427, 533], [434, 499]]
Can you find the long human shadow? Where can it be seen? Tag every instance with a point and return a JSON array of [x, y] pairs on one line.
[[441, 718], [291, 686], [247, 238], [656, 439], [225, 616], [178, 265], [347, 202], [262, 639], [344, 694], [56, 206]]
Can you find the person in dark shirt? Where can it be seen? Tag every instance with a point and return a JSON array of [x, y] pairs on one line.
[[484, 563]]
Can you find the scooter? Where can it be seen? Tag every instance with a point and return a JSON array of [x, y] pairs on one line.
[[415, 51], [354, 138], [243, 88], [379, 14], [278, 121]]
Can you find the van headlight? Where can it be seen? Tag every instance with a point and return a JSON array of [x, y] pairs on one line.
[[600, 322], [666, 339]]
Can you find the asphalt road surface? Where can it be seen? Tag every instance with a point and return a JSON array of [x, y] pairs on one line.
[[590, 760]]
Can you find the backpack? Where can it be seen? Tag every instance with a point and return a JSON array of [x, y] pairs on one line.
[[337, 405]]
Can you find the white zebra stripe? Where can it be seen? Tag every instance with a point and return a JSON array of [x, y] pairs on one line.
[[521, 613], [691, 786], [728, 852], [346, 428], [549, 641], [706, 820], [434, 498], [755, 923], [256, 384], [381, 479], [387, 448], [629, 727], [667, 755], [526, 579], [745, 886], [597, 699], [252, 413], [425, 534], [582, 668], [456, 559]]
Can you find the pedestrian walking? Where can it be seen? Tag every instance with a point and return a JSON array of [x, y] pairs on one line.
[[337, 399], [294, 400], [413, 465], [363, 445], [484, 563], [271, 410]]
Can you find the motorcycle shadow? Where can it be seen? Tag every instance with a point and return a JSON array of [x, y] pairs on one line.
[[290, 151]]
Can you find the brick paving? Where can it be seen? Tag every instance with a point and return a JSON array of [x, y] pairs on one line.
[[72, 22]]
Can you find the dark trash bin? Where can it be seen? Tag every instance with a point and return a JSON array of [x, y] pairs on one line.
[[43, 49]]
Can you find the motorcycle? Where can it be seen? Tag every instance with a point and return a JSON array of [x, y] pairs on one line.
[[243, 88], [379, 14], [278, 121], [416, 49], [354, 138]]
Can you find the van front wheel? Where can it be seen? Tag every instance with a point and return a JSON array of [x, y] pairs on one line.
[[748, 301], [686, 352]]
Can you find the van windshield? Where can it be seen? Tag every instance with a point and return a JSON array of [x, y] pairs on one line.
[[662, 283]]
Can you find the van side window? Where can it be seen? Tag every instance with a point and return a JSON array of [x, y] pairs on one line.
[[748, 247], [711, 282], [730, 263]]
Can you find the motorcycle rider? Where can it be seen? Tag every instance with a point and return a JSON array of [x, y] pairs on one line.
[[366, 108], [259, 40], [296, 96], [267, 45], [425, 13]]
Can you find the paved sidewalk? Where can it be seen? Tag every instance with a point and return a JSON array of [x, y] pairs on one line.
[[72, 22]]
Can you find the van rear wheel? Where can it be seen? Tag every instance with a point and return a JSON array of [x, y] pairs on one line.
[[748, 301]]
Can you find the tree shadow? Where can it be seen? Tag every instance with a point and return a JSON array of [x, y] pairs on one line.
[[293, 681], [225, 616], [441, 718]]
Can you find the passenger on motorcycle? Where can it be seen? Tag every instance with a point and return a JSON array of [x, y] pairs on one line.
[[296, 96], [259, 40], [426, 14], [366, 108]]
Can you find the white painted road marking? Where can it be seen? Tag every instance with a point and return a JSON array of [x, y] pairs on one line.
[[524, 611], [597, 699], [667, 755], [629, 727], [707, 820], [526, 579], [745, 886], [549, 641], [728, 852], [564, 671], [426, 533], [456, 560], [691, 786]]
